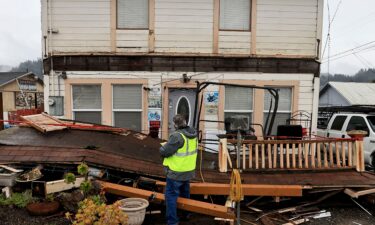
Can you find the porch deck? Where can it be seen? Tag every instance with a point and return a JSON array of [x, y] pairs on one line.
[[127, 153]]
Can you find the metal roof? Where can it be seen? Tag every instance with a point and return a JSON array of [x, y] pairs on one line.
[[355, 93]]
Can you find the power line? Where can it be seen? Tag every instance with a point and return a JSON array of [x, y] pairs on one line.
[[330, 22], [348, 54], [350, 50]]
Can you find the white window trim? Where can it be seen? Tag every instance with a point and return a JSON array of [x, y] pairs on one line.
[[127, 110], [86, 110], [238, 111]]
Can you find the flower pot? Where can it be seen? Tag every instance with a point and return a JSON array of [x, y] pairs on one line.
[[43, 208], [135, 208]]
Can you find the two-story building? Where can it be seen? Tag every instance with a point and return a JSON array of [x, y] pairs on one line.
[[132, 63]]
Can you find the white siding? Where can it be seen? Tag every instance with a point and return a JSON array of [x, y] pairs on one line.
[[132, 40], [82, 25], [183, 26], [233, 42], [283, 27], [287, 27]]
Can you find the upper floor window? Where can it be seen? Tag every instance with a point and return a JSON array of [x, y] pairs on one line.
[[235, 15], [132, 14]]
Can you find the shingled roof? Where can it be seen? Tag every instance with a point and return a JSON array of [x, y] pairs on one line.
[[7, 77]]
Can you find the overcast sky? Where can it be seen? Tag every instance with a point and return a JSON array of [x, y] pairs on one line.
[[20, 33]]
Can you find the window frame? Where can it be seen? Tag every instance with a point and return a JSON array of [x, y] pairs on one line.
[[148, 22], [280, 111], [238, 30], [241, 111], [127, 110], [87, 110]]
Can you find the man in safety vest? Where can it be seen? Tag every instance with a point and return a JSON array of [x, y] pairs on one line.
[[180, 156]]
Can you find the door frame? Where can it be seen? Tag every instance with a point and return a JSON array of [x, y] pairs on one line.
[[165, 96]]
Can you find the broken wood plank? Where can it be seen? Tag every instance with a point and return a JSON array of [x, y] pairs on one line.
[[297, 221], [357, 194], [44, 188], [247, 189], [11, 169], [43, 122], [266, 221], [182, 203]]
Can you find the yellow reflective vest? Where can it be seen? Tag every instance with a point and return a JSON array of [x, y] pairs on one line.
[[185, 158]]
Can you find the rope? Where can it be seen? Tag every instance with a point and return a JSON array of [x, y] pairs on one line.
[[235, 186]]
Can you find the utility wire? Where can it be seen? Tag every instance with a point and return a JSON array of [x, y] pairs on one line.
[[347, 54], [330, 22], [350, 51]]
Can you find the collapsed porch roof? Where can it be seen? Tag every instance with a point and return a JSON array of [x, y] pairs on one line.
[[127, 153]]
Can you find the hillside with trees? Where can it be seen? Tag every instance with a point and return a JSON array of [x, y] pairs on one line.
[[34, 66], [362, 76]]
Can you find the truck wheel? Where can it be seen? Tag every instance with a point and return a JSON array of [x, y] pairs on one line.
[[373, 162]]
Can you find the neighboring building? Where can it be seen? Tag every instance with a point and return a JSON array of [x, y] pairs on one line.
[[19, 90], [347, 94], [122, 62]]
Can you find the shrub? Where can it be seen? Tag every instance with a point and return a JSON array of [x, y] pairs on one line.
[[91, 212], [19, 200]]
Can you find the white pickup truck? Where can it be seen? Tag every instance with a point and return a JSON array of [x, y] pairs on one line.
[[341, 123]]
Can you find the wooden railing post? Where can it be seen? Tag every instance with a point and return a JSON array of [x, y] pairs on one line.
[[223, 156], [359, 157], [295, 154]]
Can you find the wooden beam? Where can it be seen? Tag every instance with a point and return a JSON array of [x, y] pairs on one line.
[[247, 189], [151, 34], [253, 22], [182, 203], [113, 22], [357, 194], [215, 41]]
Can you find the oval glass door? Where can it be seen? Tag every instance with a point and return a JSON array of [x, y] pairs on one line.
[[183, 108]]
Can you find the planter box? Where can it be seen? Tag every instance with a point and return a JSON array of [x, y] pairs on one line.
[[7, 178], [8, 175]]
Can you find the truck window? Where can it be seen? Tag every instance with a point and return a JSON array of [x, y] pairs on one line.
[[357, 123], [371, 121], [338, 122]]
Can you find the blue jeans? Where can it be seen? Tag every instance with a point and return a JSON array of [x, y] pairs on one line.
[[174, 190]]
